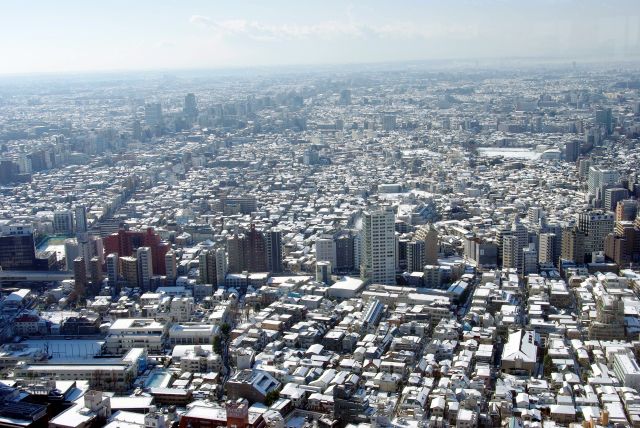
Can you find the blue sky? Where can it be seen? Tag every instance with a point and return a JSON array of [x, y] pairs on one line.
[[59, 35]]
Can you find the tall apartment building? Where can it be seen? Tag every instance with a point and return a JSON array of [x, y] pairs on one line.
[[623, 245], [429, 235], [145, 267], [81, 219], [627, 210], [529, 260], [534, 215], [573, 245], [609, 322], [379, 246], [273, 239], [345, 253], [113, 269], [416, 257], [514, 240], [126, 242], [95, 273], [546, 248], [247, 252], [79, 277], [612, 196], [208, 267], [171, 266], [510, 252], [129, 270], [63, 222]]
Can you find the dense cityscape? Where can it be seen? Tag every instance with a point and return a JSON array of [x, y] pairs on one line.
[[401, 245]]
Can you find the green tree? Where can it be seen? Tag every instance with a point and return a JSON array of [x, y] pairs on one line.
[[547, 364], [225, 329], [217, 345], [272, 397]]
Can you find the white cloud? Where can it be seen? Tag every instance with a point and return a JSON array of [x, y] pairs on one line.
[[328, 30]]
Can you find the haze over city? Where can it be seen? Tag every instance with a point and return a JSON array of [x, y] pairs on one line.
[[73, 36]]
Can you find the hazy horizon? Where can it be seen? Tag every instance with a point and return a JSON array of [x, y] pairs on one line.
[[79, 37]]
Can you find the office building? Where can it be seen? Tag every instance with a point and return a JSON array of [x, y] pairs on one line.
[[326, 249], [345, 249], [17, 250], [389, 122], [153, 114], [345, 97], [379, 246], [599, 178], [239, 204], [612, 196], [190, 106], [596, 225], [604, 119], [571, 150]]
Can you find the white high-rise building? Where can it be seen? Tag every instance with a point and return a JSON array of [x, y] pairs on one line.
[[326, 249], [598, 178], [221, 265], [70, 252], [534, 215], [378, 264], [145, 267]]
